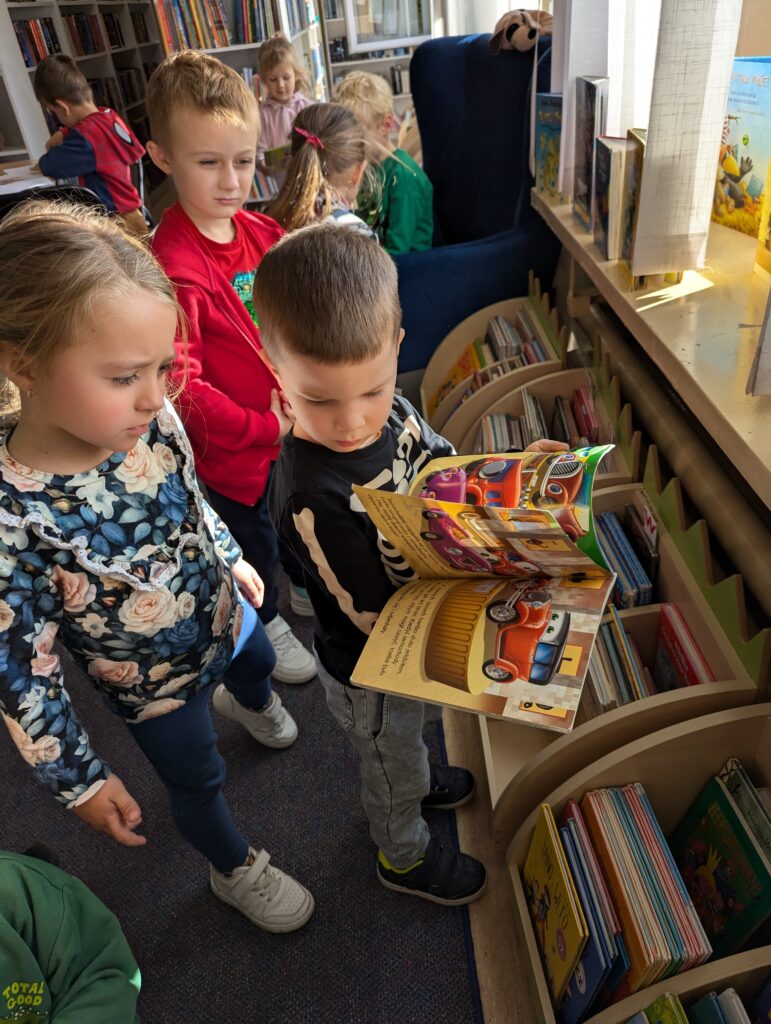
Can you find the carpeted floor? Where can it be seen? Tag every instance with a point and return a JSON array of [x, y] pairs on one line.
[[367, 956]]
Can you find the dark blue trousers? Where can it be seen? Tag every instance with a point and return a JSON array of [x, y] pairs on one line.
[[182, 747]]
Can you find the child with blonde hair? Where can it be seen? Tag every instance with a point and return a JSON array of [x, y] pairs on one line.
[[324, 174], [205, 127], [402, 207], [107, 546], [283, 81]]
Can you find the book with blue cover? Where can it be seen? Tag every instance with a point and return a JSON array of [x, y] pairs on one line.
[[548, 129], [706, 1010]]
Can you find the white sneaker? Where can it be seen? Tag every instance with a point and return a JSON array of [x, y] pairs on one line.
[[273, 726], [269, 898], [299, 602], [294, 664]]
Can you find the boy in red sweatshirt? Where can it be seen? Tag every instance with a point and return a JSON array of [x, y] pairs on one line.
[[205, 127], [93, 144]]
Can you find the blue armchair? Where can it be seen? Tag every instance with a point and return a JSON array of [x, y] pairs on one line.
[[473, 112]]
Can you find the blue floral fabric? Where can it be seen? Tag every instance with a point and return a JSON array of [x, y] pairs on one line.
[[128, 567]]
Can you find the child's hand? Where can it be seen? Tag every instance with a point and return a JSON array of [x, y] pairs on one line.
[[249, 582], [56, 140], [546, 446], [283, 412], [113, 810]]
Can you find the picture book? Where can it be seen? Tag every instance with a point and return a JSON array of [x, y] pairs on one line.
[[706, 1010], [590, 114], [548, 127], [511, 589], [558, 920], [763, 250], [723, 867], [732, 1007], [667, 1009], [745, 147], [633, 170], [609, 176], [741, 788], [277, 157], [679, 662]]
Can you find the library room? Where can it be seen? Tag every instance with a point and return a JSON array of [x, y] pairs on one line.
[[419, 350]]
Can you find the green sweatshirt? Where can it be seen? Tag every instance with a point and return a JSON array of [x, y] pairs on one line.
[[63, 956], [405, 221]]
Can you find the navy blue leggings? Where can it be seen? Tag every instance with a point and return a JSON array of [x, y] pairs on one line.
[[182, 747]]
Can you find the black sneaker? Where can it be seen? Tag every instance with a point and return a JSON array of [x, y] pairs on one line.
[[443, 876], [450, 787]]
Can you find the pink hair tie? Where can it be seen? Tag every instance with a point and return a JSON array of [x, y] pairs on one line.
[[314, 140]]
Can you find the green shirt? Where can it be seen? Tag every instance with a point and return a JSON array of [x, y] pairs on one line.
[[63, 956], [405, 221]]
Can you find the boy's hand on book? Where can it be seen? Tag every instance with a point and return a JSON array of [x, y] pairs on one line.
[[545, 445], [113, 810], [283, 412], [56, 140], [249, 582]]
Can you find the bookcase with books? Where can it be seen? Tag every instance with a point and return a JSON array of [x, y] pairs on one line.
[[658, 787]]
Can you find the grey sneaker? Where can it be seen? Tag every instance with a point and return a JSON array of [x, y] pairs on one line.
[[294, 664], [273, 726], [299, 602], [269, 898]]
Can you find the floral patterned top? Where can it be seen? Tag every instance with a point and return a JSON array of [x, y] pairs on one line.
[[128, 567]]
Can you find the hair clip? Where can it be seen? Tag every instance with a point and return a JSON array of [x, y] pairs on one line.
[[314, 140]]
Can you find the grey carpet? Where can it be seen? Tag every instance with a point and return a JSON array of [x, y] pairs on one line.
[[368, 956]]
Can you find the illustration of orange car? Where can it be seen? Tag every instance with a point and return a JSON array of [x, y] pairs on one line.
[[530, 640]]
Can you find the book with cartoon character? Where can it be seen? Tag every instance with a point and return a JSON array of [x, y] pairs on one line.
[[511, 590]]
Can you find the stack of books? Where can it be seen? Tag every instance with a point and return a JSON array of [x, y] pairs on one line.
[[114, 31], [617, 674], [609, 907], [575, 421], [85, 33], [37, 39], [633, 584]]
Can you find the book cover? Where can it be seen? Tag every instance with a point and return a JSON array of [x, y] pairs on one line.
[[723, 867], [740, 787], [632, 177], [609, 176], [548, 127], [732, 1007], [745, 148], [590, 113], [679, 662], [558, 921], [511, 586], [667, 1009], [763, 250], [706, 1010]]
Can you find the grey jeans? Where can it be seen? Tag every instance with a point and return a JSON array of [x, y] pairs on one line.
[[387, 732]]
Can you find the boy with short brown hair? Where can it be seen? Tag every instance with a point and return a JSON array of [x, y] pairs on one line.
[[93, 145], [205, 127]]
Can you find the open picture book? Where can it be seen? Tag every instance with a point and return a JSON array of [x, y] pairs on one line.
[[511, 587]]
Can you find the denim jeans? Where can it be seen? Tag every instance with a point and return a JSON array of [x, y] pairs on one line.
[[182, 747], [387, 732]]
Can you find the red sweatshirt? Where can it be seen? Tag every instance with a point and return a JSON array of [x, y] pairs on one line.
[[225, 403]]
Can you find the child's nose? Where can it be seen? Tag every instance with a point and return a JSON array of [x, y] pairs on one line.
[[229, 178], [350, 417], [152, 395]]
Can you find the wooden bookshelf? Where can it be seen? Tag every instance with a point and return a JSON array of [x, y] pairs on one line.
[[524, 764], [673, 764], [614, 469]]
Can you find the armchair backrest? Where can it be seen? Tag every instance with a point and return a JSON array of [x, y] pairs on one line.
[[473, 113]]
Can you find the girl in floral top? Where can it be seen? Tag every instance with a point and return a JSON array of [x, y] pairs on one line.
[[107, 545]]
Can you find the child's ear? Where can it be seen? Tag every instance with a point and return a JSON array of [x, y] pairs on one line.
[[387, 125], [18, 371], [400, 339], [158, 156], [270, 365]]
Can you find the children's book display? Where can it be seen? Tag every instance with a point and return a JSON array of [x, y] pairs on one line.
[[591, 107], [610, 910], [574, 421], [633, 585], [548, 122], [511, 590], [722, 849], [745, 148], [504, 347], [712, 1008]]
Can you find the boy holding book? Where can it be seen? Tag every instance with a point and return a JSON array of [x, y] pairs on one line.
[[331, 325], [205, 127], [403, 196]]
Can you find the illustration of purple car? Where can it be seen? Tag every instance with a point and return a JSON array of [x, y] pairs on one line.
[[448, 540], [445, 485]]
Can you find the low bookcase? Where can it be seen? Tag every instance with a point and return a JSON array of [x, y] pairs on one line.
[[525, 764], [673, 764]]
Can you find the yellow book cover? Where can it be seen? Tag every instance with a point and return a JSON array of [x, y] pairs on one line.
[[466, 365], [558, 919], [763, 252]]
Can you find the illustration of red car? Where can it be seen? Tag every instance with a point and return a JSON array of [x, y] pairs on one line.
[[530, 640], [496, 482], [556, 489], [446, 485], [447, 538]]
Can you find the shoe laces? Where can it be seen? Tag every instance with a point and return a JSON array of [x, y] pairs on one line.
[[264, 879], [286, 644]]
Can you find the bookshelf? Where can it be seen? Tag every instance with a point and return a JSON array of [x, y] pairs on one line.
[[524, 764], [688, 752], [118, 43]]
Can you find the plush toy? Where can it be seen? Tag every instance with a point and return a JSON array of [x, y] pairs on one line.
[[518, 30]]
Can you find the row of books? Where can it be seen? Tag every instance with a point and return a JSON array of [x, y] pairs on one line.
[[510, 345], [616, 908], [131, 84], [141, 31], [331, 10], [200, 24], [37, 39], [300, 14], [575, 421], [85, 33], [114, 30], [264, 187], [253, 21], [634, 586], [618, 675], [726, 1007], [105, 92]]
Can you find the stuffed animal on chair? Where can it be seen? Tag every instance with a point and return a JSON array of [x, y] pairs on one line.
[[518, 30]]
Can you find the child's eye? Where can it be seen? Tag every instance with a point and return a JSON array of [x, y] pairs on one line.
[[207, 163], [246, 162], [124, 381], [317, 401], [374, 394]]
